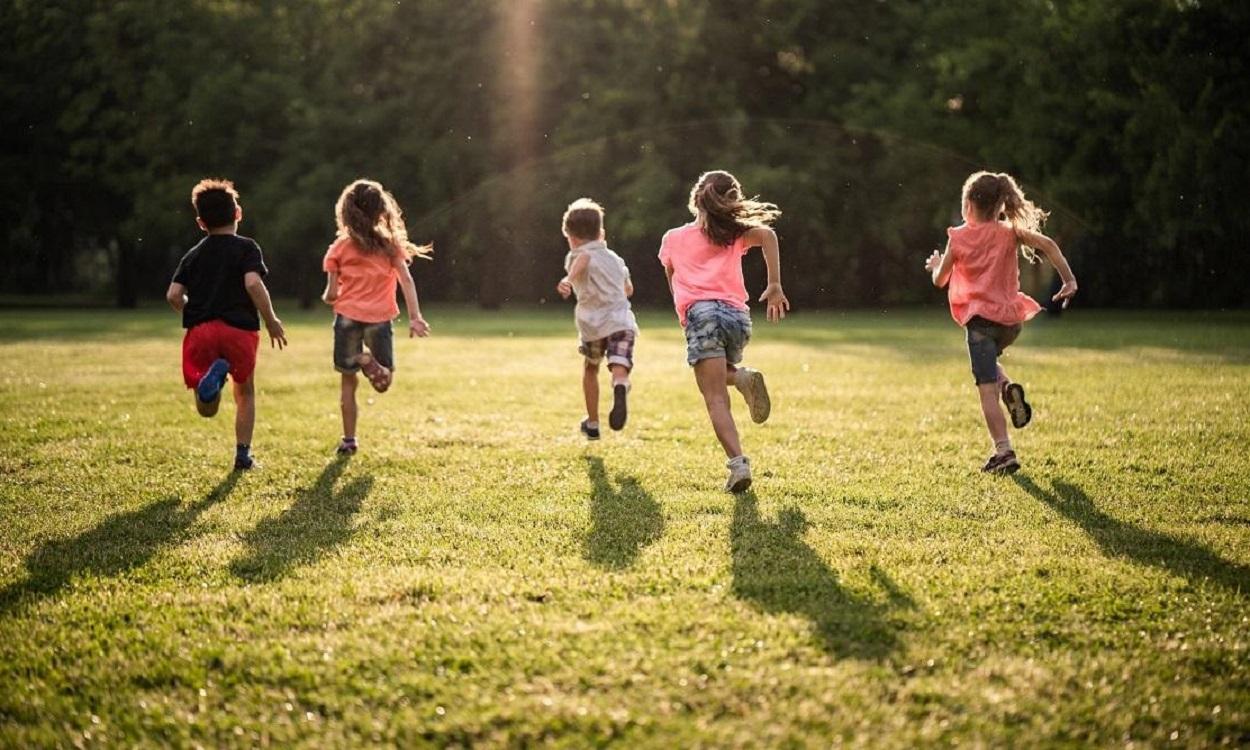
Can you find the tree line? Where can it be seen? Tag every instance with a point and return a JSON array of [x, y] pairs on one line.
[[1130, 121]]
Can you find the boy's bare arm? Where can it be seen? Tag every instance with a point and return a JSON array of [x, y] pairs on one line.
[[259, 293], [176, 296], [629, 287]]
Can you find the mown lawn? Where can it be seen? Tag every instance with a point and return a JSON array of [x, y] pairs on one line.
[[479, 575]]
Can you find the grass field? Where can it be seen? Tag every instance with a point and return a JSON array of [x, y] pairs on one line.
[[479, 575]]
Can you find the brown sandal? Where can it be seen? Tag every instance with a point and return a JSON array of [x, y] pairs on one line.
[[377, 373]]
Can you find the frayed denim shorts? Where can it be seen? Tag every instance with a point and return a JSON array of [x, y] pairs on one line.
[[716, 329], [986, 342], [349, 337]]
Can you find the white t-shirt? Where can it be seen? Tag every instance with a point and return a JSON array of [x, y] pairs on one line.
[[602, 307]]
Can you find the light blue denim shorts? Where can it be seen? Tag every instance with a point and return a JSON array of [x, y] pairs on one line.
[[716, 329]]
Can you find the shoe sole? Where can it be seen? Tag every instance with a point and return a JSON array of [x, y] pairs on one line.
[[1019, 409], [206, 382], [756, 394], [742, 485], [620, 411]]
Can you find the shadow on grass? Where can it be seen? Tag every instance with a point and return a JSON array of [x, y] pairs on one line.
[[319, 520], [120, 543], [775, 570], [1121, 539], [625, 518]]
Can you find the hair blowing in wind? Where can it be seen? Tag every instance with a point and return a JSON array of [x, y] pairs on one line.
[[722, 212], [368, 214]]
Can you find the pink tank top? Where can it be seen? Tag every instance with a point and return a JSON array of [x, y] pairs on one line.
[[985, 275]]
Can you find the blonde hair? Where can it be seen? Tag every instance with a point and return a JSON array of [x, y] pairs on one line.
[[368, 214], [996, 196], [722, 212]]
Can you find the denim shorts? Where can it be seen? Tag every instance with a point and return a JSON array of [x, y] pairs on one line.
[[350, 334], [716, 329], [619, 347], [986, 341]]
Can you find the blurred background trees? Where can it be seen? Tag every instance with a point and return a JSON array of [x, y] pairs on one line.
[[1129, 120]]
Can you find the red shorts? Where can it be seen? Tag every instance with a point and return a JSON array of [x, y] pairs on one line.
[[207, 342]]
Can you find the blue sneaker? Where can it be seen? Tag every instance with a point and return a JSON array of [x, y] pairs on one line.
[[209, 387]]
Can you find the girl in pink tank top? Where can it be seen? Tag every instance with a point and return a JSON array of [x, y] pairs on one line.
[[981, 266]]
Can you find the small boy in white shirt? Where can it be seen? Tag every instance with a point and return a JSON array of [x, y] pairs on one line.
[[605, 321]]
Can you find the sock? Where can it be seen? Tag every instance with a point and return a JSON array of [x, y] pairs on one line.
[[1002, 446], [592, 425], [242, 450]]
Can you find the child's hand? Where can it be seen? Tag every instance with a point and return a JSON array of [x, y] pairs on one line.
[[564, 287], [418, 327], [777, 302], [934, 260], [277, 335], [1065, 293]]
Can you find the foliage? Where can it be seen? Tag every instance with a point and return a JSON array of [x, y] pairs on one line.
[[1128, 120]]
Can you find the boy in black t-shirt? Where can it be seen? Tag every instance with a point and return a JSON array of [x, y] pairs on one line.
[[218, 289]]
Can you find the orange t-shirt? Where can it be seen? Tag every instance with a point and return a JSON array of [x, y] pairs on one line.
[[366, 282], [985, 275]]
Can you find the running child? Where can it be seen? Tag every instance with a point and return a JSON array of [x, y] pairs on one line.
[[219, 289], [703, 262], [981, 265], [369, 257], [605, 322]]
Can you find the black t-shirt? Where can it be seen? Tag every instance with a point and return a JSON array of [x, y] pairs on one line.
[[212, 272]]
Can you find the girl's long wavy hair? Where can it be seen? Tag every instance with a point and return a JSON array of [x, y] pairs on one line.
[[996, 197], [722, 212], [368, 214]]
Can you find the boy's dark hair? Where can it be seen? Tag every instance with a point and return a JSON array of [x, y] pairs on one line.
[[583, 219], [215, 202]]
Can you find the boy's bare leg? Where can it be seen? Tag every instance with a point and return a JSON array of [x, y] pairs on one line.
[[206, 409], [994, 419], [620, 374], [590, 389], [245, 412], [347, 403], [711, 377]]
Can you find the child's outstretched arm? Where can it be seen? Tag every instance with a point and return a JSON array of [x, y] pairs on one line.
[[577, 270], [176, 296], [332, 288], [766, 239], [259, 293], [939, 266], [416, 324], [1053, 254]]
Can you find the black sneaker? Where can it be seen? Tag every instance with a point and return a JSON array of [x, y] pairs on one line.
[[1019, 409], [591, 433], [1002, 463], [245, 463], [620, 411], [347, 447]]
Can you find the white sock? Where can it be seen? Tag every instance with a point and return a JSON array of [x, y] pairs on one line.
[[592, 425], [1002, 446]]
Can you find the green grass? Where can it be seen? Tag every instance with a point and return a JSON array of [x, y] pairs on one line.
[[479, 575]]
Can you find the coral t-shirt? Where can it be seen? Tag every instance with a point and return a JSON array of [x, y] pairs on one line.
[[985, 275], [701, 270], [367, 282]]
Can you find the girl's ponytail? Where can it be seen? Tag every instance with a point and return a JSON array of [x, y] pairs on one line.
[[1021, 212], [997, 196], [722, 212]]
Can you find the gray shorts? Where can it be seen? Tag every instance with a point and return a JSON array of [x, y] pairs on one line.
[[986, 341], [350, 335], [716, 329]]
